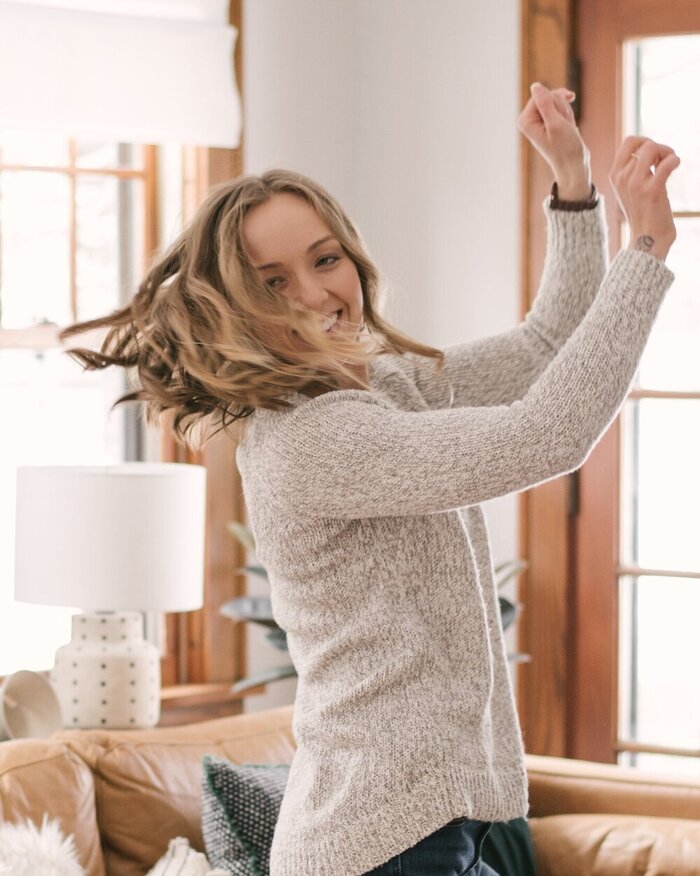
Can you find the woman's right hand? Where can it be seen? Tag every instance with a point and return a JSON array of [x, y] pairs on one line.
[[642, 194]]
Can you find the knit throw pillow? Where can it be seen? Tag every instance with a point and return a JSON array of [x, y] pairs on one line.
[[240, 806]]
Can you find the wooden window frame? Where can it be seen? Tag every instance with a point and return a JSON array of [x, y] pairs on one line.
[[545, 524], [205, 652], [202, 646], [567, 695]]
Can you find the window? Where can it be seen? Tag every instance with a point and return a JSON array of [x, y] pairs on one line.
[[612, 550], [76, 222], [659, 573]]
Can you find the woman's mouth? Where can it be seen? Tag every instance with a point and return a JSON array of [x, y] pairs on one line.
[[330, 326]]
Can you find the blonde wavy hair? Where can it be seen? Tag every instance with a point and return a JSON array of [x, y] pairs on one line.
[[205, 338]]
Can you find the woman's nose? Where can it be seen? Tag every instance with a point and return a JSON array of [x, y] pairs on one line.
[[311, 294]]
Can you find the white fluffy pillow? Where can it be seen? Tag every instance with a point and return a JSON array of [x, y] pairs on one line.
[[182, 860], [26, 850]]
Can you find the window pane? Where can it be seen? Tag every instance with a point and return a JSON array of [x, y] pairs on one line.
[[657, 667], [37, 149], [109, 248], [34, 248], [662, 763], [59, 416], [669, 79], [108, 155], [670, 360], [661, 484]]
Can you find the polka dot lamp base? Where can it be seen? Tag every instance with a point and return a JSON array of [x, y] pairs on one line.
[[108, 675]]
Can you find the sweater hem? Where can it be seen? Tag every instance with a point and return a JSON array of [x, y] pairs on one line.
[[372, 838]]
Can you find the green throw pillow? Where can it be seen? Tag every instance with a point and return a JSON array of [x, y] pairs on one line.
[[240, 806], [508, 849]]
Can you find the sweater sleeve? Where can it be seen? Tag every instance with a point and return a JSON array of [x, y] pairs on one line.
[[343, 455], [500, 369]]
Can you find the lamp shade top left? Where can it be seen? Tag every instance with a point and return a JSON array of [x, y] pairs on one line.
[[110, 538]]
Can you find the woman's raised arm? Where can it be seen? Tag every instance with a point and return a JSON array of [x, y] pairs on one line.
[[345, 455], [348, 456], [501, 368]]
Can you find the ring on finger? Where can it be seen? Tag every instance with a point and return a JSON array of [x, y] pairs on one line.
[[634, 155]]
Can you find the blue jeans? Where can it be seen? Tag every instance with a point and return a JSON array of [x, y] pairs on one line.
[[453, 850]]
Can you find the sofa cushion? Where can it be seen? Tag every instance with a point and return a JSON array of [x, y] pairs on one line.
[[240, 807], [148, 782], [559, 785], [615, 845], [39, 777]]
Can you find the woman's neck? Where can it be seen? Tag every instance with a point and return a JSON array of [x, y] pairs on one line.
[[318, 387]]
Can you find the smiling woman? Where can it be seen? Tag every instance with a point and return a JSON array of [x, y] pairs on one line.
[[319, 277], [364, 496], [227, 321]]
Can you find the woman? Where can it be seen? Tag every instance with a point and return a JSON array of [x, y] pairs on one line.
[[364, 466]]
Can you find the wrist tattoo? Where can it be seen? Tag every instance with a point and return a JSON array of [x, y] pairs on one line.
[[644, 243]]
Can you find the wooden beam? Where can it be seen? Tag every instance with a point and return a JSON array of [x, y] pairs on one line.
[[546, 33], [212, 648]]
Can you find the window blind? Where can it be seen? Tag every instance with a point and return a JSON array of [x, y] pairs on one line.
[[140, 71]]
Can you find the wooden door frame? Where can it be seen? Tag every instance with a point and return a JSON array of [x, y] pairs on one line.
[[567, 695], [602, 27], [546, 50]]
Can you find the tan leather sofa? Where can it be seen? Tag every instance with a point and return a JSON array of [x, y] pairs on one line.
[[125, 794]]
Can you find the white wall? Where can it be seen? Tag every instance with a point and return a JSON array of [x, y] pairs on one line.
[[405, 110]]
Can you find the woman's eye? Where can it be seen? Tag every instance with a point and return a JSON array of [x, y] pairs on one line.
[[325, 259], [271, 282]]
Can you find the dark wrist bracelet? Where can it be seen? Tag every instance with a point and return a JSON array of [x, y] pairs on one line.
[[573, 206]]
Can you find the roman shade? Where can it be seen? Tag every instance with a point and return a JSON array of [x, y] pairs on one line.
[[142, 71]]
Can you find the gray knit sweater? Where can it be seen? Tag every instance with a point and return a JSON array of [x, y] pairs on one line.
[[365, 509]]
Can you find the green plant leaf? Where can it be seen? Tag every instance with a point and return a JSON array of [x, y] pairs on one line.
[[269, 675], [241, 532], [258, 571], [519, 658], [278, 639], [508, 612], [250, 608], [505, 571]]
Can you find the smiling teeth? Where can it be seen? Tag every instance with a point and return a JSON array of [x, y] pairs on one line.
[[331, 322]]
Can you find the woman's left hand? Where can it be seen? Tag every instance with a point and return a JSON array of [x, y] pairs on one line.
[[548, 123]]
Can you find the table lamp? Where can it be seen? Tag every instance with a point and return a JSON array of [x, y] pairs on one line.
[[113, 541]]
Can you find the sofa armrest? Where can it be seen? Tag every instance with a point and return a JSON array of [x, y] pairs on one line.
[[561, 785], [39, 777], [148, 782]]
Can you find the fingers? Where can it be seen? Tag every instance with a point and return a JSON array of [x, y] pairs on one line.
[[529, 116], [560, 98], [641, 159], [624, 152], [638, 153], [666, 167], [544, 102], [562, 102]]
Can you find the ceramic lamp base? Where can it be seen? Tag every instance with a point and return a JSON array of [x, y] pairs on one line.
[[108, 675]]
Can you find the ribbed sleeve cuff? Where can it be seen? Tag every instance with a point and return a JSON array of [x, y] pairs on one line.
[[567, 229], [634, 269]]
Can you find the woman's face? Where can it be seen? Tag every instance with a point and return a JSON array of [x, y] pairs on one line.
[[296, 254]]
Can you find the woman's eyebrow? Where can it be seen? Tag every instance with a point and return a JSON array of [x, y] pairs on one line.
[[310, 249]]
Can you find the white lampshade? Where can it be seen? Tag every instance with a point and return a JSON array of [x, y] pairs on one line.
[[119, 537]]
